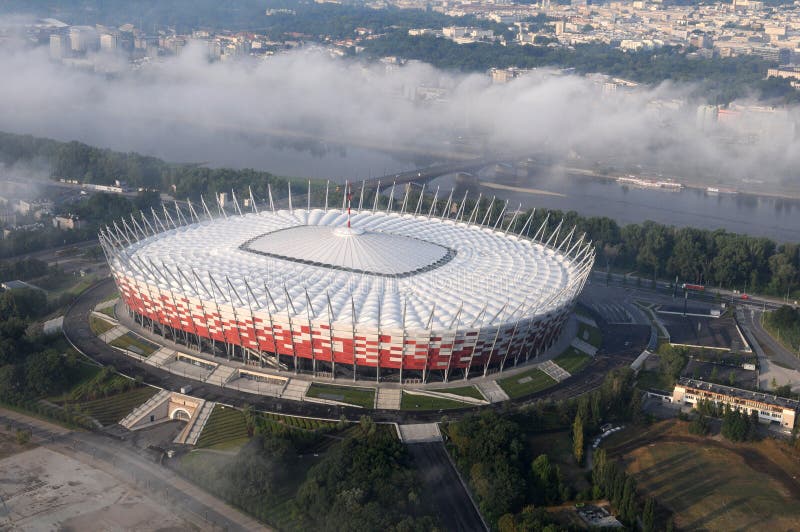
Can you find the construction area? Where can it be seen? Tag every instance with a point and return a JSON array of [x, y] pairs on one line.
[[44, 489]]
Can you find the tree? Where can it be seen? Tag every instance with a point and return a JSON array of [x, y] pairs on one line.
[[249, 419], [735, 425], [649, 515], [627, 507], [577, 439], [23, 436]]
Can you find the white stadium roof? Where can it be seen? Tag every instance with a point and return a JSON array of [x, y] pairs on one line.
[[444, 273]]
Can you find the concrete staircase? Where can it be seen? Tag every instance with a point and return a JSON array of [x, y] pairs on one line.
[[160, 357], [143, 409], [586, 347], [554, 370], [419, 433], [191, 433], [492, 391], [442, 394], [388, 398], [587, 320], [221, 375], [296, 389]]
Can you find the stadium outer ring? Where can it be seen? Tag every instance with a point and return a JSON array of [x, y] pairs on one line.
[[275, 340]]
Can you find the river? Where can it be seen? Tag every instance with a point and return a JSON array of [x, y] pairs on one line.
[[771, 217]]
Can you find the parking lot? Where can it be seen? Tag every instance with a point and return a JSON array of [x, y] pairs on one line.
[[718, 333]]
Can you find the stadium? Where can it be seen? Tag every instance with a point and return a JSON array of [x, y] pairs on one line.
[[388, 295]]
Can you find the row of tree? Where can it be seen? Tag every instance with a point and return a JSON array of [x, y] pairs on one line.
[[491, 451], [364, 480], [736, 425], [784, 324], [718, 258], [31, 365], [88, 164], [610, 480], [723, 79]]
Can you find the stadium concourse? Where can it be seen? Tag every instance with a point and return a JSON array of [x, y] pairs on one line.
[[371, 294]]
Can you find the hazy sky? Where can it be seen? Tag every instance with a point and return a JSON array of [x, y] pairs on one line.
[[187, 109]]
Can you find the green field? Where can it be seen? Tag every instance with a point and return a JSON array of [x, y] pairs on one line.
[[422, 402], [533, 380], [466, 391], [572, 360], [135, 343], [110, 410], [224, 425], [592, 333], [99, 325], [363, 397]]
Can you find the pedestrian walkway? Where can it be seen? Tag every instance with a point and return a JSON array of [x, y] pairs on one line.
[[419, 433], [442, 394], [221, 375], [586, 347], [196, 424], [554, 370], [388, 399], [492, 391], [587, 320], [161, 357], [112, 334], [296, 390], [138, 413]]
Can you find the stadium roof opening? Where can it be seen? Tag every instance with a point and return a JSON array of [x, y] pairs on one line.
[[352, 249]]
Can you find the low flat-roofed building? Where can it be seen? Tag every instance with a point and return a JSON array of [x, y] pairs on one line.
[[18, 285], [67, 222], [770, 408]]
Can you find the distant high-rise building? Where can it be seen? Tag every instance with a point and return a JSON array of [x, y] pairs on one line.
[[706, 117], [108, 42], [59, 46], [83, 39]]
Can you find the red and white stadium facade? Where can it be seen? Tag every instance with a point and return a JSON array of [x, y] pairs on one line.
[[393, 295]]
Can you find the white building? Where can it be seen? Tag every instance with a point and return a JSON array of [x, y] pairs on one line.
[[770, 408], [83, 39]]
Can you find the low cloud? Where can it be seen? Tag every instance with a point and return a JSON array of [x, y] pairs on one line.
[[253, 113]]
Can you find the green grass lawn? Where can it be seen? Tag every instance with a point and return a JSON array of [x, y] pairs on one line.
[[531, 381], [590, 334], [99, 325], [422, 402], [572, 360], [135, 343], [363, 397], [110, 410], [108, 311], [224, 425], [466, 391]]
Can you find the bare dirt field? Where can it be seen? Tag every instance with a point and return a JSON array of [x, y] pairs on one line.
[[710, 483], [46, 490]]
